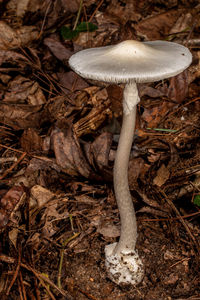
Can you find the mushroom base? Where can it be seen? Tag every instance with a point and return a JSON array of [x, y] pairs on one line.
[[125, 267]]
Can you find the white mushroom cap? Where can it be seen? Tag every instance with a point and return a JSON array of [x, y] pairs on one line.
[[132, 61]]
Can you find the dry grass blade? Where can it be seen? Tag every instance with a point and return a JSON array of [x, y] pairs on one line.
[[22, 287], [62, 257], [15, 273], [42, 278], [171, 204]]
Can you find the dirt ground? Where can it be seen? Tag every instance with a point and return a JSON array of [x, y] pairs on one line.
[[58, 139]]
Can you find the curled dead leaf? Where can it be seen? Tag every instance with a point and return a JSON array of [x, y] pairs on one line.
[[97, 154], [70, 81], [96, 116], [20, 116], [58, 49], [109, 230], [157, 26], [13, 58], [162, 176], [40, 196], [9, 204], [12, 39], [178, 87], [23, 90], [124, 12], [153, 115], [69, 154], [89, 161], [31, 141]]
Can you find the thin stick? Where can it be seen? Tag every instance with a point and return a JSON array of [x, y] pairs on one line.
[[13, 166], [15, 274], [19, 151], [44, 20], [100, 3], [62, 257], [39, 276], [89, 296], [78, 14], [170, 219], [22, 285], [20, 290], [181, 219]]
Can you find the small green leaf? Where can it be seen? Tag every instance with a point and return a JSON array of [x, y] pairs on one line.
[[86, 26], [67, 33], [197, 200]]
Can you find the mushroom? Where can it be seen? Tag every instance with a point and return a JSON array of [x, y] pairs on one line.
[[128, 62]]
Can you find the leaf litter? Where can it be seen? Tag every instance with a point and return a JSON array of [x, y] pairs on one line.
[[58, 139]]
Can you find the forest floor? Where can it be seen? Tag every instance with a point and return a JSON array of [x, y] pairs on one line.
[[58, 139]]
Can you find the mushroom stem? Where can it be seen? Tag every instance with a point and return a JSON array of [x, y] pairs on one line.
[[122, 260], [123, 197]]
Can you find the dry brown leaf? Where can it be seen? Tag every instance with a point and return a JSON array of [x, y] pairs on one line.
[[98, 152], [162, 176], [58, 107], [182, 24], [69, 155], [12, 39], [157, 26], [152, 116], [39, 196], [85, 199], [171, 279], [23, 90], [85, 39], [50, 217], [178, 87], [20, 116], [10, 203], [42, 171], [194, 70], [109, 230], [124, 12], [13, 235], [58, 49], [101, 149], [40, 164], [34, 5], [145, 90], [96, 116], [115, 95], [153, 211], [5, 78], [136, 168], [153, 156], [22, 7], [182, 139], [70, 81], [27, 34], [108, 27], [31, 141], [89, 163], [13, 58], [71, 6], [92, 121], [34, 240]]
